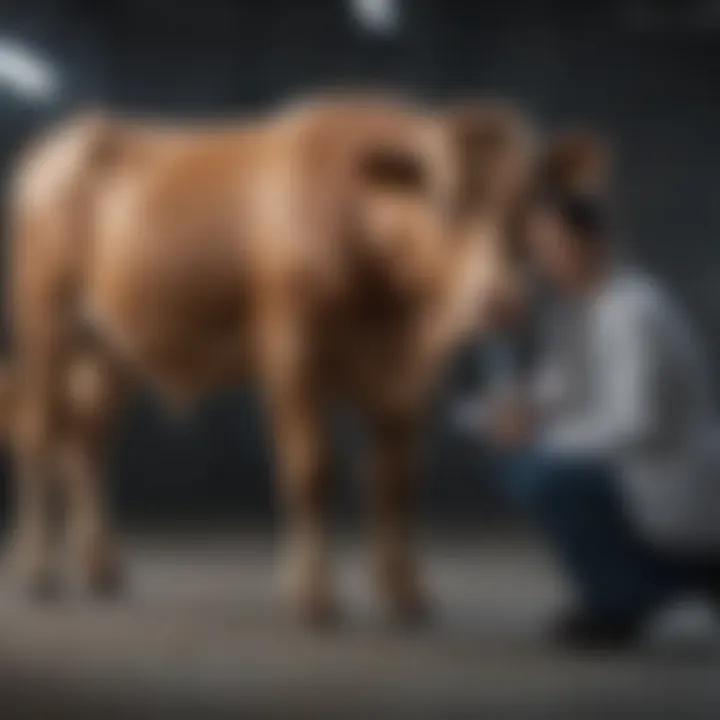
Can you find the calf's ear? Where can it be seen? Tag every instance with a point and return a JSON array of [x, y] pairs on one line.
[[494, 145]]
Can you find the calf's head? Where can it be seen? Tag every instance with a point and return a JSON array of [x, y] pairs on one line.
[[494, 154]]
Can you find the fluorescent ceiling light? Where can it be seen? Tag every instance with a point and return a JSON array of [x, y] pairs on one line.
[[26, 73], [378, 16]]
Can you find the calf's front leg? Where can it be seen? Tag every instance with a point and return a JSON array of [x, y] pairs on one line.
[[303, 479], [391, 482]]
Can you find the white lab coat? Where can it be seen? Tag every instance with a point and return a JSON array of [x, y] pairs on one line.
[[622, 377]]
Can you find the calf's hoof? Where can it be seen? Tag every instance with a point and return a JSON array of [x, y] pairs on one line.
[[105, 577], [41, 587], [107, 584], [36, 575], [414, 611], [318, 611], [405, 600]]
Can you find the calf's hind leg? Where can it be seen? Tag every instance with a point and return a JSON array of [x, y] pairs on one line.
[[33, 437], [93, 389]]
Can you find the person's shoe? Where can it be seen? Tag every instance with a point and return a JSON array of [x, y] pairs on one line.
[[582, 630], [712, 587]]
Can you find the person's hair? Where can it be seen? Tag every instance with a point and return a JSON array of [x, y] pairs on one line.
[[575, 180], [586, 214]]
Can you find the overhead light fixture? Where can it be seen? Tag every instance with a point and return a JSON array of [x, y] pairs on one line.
[[381, 17], [26, 73]]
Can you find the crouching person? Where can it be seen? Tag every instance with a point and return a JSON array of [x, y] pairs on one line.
[[608, 445]]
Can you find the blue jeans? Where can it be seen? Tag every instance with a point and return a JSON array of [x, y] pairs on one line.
[[577, 506]]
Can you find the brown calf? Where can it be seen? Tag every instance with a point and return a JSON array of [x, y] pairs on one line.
[[335, 252]]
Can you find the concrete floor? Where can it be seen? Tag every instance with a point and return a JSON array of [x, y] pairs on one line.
[[201, 634]]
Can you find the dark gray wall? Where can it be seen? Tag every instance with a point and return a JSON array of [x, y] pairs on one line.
[[645, 72]]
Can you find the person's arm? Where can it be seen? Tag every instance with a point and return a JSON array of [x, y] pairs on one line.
[[535, 395], [623, 414], [476, 414], [549, 388]]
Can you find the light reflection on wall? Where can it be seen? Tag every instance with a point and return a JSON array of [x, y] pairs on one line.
[[26, 73]]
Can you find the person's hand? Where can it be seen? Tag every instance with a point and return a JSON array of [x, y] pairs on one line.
[[511, 423]]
